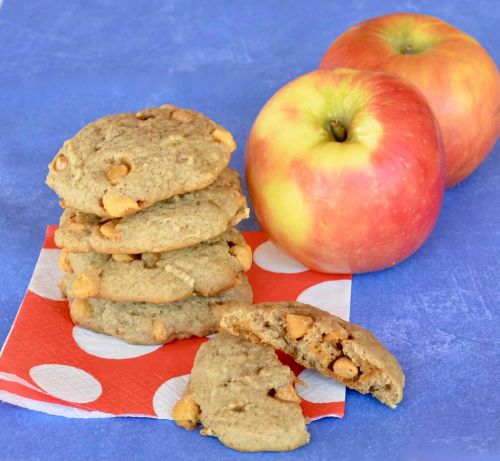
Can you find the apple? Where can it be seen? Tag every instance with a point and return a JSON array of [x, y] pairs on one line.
[[459, 79], [345, 170]]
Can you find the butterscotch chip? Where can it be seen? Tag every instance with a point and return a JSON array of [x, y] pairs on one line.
[[118, 204], [243, 395], [336, 348], [225, 137], [163, 142], [159, 330], [186, 413], [84, 286], [297, 325], [147, 323], [344, 368], [116, 172], [80, 310], [121, 258], [109, 230], [243, 254], [179, 222], [60, 163]]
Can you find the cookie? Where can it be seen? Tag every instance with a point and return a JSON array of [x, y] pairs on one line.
[[178, 222], [146, 323], [123, 163], [206, 269], [243, 394], [317, 339]]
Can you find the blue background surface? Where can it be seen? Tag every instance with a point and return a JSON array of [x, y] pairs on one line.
[[63, 64]]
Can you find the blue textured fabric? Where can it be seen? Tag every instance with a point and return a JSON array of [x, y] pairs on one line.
[[65, 63]]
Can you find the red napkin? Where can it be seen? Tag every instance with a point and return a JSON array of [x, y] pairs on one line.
[[48, 364]]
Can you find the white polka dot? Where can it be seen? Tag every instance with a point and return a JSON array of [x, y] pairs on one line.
[[107, 347], [269, 257], [320, 389], [168, 394], [333, 296], [66, 383], [47, 274]]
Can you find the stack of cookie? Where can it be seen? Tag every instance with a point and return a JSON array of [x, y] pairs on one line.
[[150, 253]]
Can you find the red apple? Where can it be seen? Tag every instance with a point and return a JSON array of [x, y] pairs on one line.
[[455, 73], [345, 170]]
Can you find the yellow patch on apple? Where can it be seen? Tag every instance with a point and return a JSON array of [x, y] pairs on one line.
[[288, 210]]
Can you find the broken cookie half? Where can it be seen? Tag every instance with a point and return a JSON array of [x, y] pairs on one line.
[[317, 339], [242, 394]]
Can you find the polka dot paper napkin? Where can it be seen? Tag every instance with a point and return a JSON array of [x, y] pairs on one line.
[[47, 364]]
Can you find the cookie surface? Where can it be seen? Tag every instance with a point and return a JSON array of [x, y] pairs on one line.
[[243, 395], [176, 223], [320, 340], [122, 163], [206, 269], [146, 323]]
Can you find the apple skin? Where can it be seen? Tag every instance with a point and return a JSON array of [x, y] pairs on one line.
[[456, 74], [346, 207]]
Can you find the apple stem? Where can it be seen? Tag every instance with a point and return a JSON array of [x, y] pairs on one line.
[[408, 49], [338, 131]]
